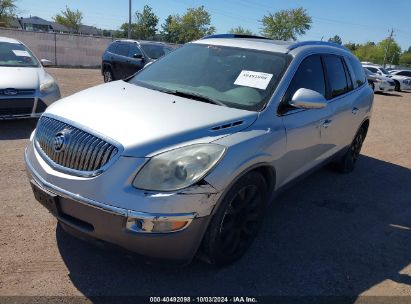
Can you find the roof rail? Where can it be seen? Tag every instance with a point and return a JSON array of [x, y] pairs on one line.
[[234, 36], [325, 43]]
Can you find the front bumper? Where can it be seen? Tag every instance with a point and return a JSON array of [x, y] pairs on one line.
[[88, 214], [384, 87], [85, 220], [27, 106]]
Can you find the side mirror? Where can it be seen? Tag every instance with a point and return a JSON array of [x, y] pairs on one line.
[[138, 56], [308, 99], [46, 62]]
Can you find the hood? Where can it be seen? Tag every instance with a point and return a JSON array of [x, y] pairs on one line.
[[20, 77], [145, 121]]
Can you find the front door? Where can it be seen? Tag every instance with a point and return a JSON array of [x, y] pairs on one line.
[[307, 130]]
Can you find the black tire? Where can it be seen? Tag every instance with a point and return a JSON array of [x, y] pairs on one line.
[[235, 224], [397, 86], [108, 75], [347, 163], [371, 85]]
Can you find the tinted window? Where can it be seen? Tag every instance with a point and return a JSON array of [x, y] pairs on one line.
[[310, 75], [336, 75], [111, 47], [122, 49], [359, 75], [155, 51], [134, 50], [374, 70], [404, 73]]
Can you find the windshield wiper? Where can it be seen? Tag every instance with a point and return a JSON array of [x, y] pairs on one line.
[[192, 95]]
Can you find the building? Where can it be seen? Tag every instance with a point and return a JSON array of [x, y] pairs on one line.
[[38, 24]]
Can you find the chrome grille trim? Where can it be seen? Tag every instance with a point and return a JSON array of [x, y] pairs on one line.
[[85, 154]]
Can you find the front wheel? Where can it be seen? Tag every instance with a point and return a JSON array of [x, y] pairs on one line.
[[371, 85], [236, 222], [397, 86]]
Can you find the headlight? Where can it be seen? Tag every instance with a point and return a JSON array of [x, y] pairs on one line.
[[178, 169], [47, 86], [379, 80]]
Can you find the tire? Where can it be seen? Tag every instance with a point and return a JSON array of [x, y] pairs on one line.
[[397, 86], [235, 224], [371, 85], [347, 163], [108, 75]]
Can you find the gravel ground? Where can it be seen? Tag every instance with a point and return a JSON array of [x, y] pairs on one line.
[[330, 234]]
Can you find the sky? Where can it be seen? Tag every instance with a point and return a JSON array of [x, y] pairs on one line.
[[356, 21]]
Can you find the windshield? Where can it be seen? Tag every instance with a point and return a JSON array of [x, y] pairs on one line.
[[384, 71], [236, 77], [368, 72], [16, 55], [155, 51]]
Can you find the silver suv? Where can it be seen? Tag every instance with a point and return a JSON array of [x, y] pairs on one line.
[[182, 158]]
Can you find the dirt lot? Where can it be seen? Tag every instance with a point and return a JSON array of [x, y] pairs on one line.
[[329, 235]]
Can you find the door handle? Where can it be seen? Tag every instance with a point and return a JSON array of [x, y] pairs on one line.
[[326, 123], [354, 110]]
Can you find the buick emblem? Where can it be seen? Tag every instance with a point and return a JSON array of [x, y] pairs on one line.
[[10, 92], [61, 140]]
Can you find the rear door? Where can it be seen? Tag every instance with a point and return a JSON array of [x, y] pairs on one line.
[[307, 130], [342, 102]]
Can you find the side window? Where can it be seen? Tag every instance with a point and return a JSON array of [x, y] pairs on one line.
[[112, 48], [310, 75], [359, 74], [134, 50], [404, 73], [373, 70], [122, 49], [336, 75]]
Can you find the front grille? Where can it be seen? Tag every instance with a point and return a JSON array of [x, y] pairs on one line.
[[18, 91], [16, 106], [80, 150]]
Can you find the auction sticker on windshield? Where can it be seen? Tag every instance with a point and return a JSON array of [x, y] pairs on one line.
[[252, 79], [21, 53]]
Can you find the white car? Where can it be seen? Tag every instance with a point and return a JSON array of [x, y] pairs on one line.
[[401, 82], [379, 83], [26, 89]]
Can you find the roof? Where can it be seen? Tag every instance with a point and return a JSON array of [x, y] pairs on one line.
[[262, 43], [9, 40], [140, 41], [35, 20]]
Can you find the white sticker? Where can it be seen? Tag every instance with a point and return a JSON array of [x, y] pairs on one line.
[[253, 79], [21, 53]]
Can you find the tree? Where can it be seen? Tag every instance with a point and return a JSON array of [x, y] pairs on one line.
[[286, 24], [70, 18], [351, 46], [375, 52], [146, 24], [405, 59], [7, 11], [240, 30], [194, 24], [336, 39]]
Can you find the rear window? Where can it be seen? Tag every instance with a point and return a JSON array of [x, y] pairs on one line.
[[336, 75]]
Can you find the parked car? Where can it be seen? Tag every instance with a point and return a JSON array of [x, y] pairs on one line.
[[26, 89], [379, 83], [124, 58], [184, 157], [401, 82], [406, 73]]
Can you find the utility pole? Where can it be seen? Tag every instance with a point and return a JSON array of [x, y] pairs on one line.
[[129, 19], [387, 49]]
